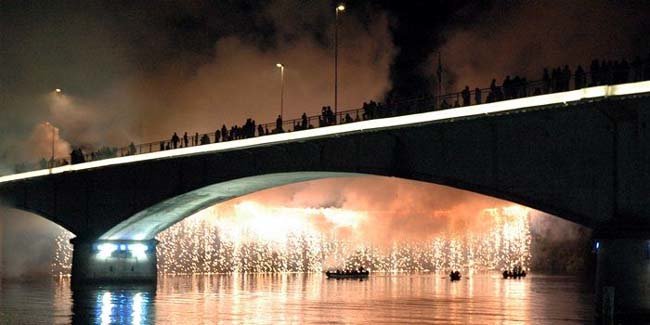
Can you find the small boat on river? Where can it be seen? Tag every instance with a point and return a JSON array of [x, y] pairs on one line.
[[348, 274], [516, 273], [454, 276]]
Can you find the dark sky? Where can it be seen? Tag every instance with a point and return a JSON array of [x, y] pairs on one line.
[[103, 41], [139, 70]]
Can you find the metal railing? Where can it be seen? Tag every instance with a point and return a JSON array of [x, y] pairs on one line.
[[369, 111]]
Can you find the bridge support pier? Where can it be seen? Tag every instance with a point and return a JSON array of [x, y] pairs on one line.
[[623, 277], [114, 261]]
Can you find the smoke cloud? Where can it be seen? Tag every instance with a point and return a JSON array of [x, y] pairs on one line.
[[396, 209], [26, 244], [45, 141], [523, 37], [108, 99], [243, 81]]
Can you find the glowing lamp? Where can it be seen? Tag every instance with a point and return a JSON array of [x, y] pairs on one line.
[[58, 90], [279, 65], [138, 250], [341, 7], [105, 250]]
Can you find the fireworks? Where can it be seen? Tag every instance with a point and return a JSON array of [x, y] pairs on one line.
[[61, 264], [257, 239]]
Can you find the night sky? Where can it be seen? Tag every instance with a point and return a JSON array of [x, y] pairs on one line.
[[138, 71]]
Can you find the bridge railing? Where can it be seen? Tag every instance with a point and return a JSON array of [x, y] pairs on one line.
[[393, 107]]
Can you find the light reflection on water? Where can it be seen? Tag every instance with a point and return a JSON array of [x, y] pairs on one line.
[[303, 298]]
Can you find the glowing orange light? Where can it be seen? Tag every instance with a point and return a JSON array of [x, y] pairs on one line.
[[253, 237]]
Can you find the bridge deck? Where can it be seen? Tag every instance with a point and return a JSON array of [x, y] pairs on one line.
[[502, 107]]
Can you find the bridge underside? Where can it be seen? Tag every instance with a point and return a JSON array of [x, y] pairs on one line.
[[146, 224]]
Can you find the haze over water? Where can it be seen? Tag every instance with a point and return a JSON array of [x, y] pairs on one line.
[[303, 298]]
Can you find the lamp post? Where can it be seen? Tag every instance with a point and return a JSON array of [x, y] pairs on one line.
[[339, 8], [51, 162], [281, 66], [59, 92]]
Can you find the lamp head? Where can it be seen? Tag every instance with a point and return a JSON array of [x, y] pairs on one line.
[[340, 7]]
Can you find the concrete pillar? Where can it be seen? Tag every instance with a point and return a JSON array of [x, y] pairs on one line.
[[114, 261], [622, 278]]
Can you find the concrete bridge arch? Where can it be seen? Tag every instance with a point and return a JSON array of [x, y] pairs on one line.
[[587, 161], [582, 155]]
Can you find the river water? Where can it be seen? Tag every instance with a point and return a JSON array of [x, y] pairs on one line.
[[303, 298]]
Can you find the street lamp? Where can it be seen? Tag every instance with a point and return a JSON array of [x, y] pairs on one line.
[[51, 162], [281, 66], [339, 8], [59, 92]]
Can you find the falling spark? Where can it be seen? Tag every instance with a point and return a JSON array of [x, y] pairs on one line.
[[259, 239]]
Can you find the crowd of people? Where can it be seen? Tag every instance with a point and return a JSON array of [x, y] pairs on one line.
[[602, 72]]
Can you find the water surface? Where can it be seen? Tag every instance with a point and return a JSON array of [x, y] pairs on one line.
[[303, 298]]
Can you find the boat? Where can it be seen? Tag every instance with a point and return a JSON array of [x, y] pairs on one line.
[[516, 273], [347, 274], [454, 276]]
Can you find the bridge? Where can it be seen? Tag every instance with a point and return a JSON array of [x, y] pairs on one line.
[[582, 155]]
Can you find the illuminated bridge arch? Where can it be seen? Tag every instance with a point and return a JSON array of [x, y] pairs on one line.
[[146, 224], [581, 155]]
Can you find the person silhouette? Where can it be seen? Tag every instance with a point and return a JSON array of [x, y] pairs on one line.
[[132, 150], [224, 133], [175, 140], [466, 96], [278, 124], [303, 121]]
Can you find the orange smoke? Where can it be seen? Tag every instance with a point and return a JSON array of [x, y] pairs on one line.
[[383, 209], [40, 143]]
